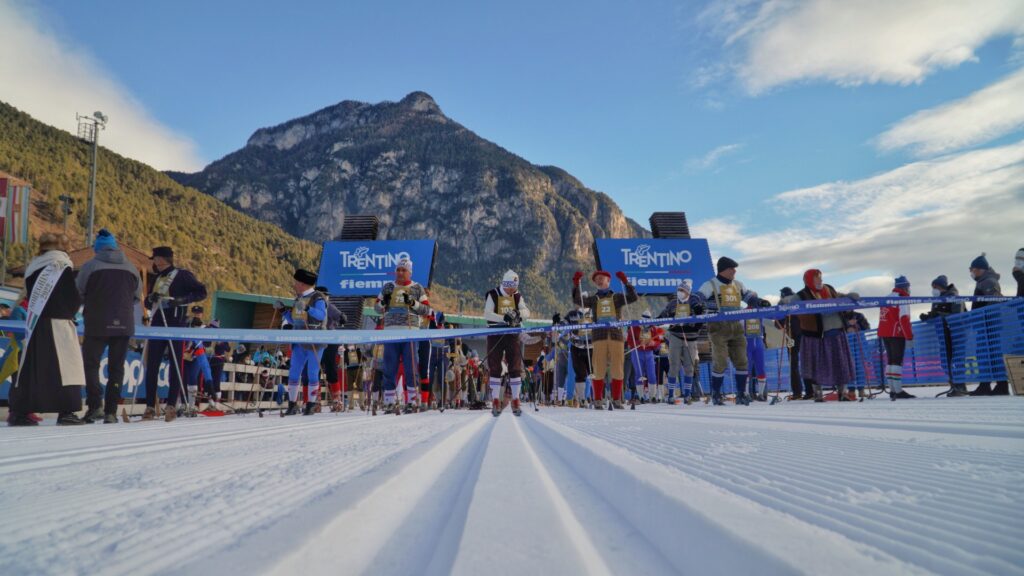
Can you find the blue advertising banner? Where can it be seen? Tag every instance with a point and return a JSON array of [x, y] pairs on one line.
[[360, 268], [134, 376], [656, 265]]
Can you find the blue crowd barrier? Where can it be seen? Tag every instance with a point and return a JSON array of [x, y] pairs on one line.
[[979, 338]]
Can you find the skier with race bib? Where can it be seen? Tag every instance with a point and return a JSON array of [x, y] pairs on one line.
[[308, 312], [608, 343], [724, 293], [504, 306]]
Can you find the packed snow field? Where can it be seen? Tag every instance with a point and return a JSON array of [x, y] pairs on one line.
[[879, 487]]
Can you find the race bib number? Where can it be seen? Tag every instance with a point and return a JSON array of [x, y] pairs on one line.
[[606, 309]]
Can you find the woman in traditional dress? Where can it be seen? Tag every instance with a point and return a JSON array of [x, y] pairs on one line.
[[52, 374]]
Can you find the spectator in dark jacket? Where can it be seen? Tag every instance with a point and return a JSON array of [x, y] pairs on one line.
[[168, 299], [111, 289], [790, 326], [942, 288], [987, 284]]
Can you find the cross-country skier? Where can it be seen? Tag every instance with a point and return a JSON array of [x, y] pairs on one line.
[[644, 341], [754, 330], [724, 293], [401, 302], [609, 348], [504, 306], [682, 339], [308, 312], [172, 291]]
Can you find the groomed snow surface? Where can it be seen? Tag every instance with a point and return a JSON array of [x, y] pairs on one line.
[[911, 487]]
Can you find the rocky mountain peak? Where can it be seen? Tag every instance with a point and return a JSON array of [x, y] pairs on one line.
[[425, 176]]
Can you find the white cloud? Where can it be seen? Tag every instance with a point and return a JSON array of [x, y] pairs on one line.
[[52, 81], [922, 219], [989, 113], [855, 42], [711, 158]]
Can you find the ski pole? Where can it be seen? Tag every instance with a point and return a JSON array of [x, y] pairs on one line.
[[177, 368]]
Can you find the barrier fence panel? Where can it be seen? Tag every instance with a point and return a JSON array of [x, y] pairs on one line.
[[977, 342]]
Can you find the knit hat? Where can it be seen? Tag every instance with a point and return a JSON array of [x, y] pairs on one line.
[[162, 252], [197, 309], [786, 292], [600, 273], [941, 282], [104, 240], [1020, 254], [405, 264], [902, 282], [510, 280], [980, 262], [685, 286], [724, 263], [305, 276]]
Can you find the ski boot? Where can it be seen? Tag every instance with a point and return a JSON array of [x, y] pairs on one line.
[[742, 400], [617, 404], [69, 419], [293, 409], [149, 414], [311, 408], [516, 410], [93, 415], [716, 400], [495, 407], [170, 413]]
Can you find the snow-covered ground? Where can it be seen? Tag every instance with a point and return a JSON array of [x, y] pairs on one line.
[[923, 486]]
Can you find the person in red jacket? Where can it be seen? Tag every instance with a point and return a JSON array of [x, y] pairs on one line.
[[643, 342], [894, 330]]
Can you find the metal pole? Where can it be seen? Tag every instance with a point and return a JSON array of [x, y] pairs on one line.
[[92, 184], [3, 268]]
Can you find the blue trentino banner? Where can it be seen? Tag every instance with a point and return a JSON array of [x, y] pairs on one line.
[[360, 268], [656, 265]]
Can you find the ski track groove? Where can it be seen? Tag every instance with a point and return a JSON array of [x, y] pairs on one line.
[[174, 485], [884, 523], [868, 468], [745, 474], [908, 487]]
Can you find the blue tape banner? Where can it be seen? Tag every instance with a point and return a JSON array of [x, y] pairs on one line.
[[656, 265], [361, 268], [309, 337]]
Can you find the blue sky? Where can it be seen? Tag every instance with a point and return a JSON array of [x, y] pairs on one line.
[[717, 108]]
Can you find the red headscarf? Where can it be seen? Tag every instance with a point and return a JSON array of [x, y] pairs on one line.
[[809, 277]]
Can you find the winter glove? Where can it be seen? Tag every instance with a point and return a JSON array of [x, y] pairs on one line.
[[762, 303], [622, 277], [924, 317], [408, 300], [853, 296], [388, 289], [556, 319], [577, 277]]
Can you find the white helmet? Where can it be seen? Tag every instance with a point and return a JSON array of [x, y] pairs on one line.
[[510, 280]]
